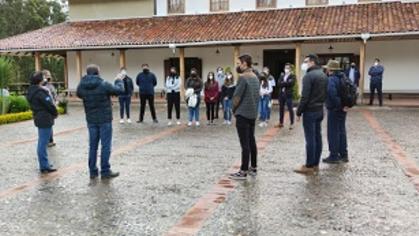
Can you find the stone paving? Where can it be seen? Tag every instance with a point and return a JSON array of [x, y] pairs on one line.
[[165, 171]]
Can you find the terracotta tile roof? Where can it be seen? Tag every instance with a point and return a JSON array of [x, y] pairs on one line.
[[283, 24]]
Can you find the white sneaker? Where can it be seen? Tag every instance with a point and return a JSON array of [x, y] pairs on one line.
[[228, 122], [129, 121], [262, 124], [189, 124], [169, 124], [178, 122], [121, 121], [225, 122], [197, 124]]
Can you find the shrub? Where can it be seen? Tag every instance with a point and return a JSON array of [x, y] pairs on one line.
[[18, 104], [61, 110], [4, 101], [15, 117]]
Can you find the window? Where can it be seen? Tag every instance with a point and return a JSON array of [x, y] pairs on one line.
[[175, 6], [317, 2], [219, 5], [265, 3]]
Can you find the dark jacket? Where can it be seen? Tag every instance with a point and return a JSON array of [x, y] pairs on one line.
[[42, 106], [314, 91], [288, 85], [211, 91], [334, 99], [227, 91], [128, 86], [246, 95], [146, 82], [357, 75], [195, 83], [96, 95], [376, 73]]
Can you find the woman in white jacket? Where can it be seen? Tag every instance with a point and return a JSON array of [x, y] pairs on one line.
[[265, 91], [172, 87]]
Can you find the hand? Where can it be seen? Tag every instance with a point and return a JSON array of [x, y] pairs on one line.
[[346, 109]]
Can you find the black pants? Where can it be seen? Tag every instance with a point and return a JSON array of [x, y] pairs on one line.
[[143, 100], [217, 108], [379, 87], [246, 131], [51, 138], [173, 99], [285, 100], [211, 111]]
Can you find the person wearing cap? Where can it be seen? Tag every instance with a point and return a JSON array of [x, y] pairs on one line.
[[44, 113], [376, 81], [336, 115], [125, 97], [53, 93]]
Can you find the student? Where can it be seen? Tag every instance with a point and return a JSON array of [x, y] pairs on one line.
[[245, 108], [96, 95], [193, 98], [376, 81], [286, 84], [220, 77], [227, 92], [125, 97], [211, 97], [272, 85], [53, 94], [172, 87], [336, 116], [264, 92], [312, 100], [146, 80], [44, 114]]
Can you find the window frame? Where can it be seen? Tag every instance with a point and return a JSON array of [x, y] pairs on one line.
[[181, 11], [259, 6], [221, 4], [317, 4]]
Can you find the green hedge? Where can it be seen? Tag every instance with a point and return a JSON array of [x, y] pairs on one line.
[[22, 116], [18, 104]]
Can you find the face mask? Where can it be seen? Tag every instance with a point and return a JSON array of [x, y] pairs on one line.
[[211, 77], [44, 82], [220, 72], [304, 67], [375, 63], [172, 73], [193, 74], [145, 70], [123, 73], [239, 70], [287, 71], [229, 77]]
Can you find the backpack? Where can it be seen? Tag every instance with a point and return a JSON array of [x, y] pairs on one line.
[[347, 92]]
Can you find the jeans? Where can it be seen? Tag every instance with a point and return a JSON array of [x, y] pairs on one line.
[[124, 105], [312, 122], [44, 135], [143, 100], [285, 100], [211, 111], [102, 133], [336, 134], [228, 109], [264, 106], [173, 99], [268, 111], [379, 87], [246, 132], [194, 111]]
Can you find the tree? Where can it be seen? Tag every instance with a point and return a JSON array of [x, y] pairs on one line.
[[6, 74]]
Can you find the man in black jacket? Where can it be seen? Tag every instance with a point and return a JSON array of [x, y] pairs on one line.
[[44, 114], [313, 97], [96, 95], [286, 84]]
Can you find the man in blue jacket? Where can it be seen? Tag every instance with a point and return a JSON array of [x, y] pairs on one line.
[[336, 116], [96, 95], [376, 81], [146, 81]]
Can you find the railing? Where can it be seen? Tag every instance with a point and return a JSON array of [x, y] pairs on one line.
[[22, 88]]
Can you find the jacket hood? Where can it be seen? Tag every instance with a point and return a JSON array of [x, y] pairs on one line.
[[90, 82], [32, 91]]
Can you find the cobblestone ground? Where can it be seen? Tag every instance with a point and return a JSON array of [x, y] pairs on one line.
[[166, 170]]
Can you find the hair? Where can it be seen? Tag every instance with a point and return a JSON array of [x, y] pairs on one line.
[[288, 64], [45, 73], [145, 64], [263, 77], [36, 77], [314, 58], [208, 82], [92, 69], [219, 68], [123, 68], [246, 58], [377, 59]]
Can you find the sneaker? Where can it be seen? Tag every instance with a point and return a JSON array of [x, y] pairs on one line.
[[178, 122], [110, 175], [169, 123], [121, 121], [305, 170], [52, 144], [228, 122], [331, 160], [344, 159], [262, 124], [253, 171], [139, 121], [241, 175], [47, 171], [291, 127], [129, 121], [279, 126], [225, 122], [95, 176], [209, 122], [156, 121], [189, 124], [197, 124]]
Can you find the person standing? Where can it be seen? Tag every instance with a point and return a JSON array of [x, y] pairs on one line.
[[172, 87], [264, 92], [220, 77], [211, 97], [272, 85], [336, 116], [245, 108], [354, 75], [314, 93], [146, 81], [96, 95], [376, 81], [44, 114], [53, 93], [227, 92], [193, 88], [125, 97], [286, 85]]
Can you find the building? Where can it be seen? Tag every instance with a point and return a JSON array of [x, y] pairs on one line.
[[208, 34]]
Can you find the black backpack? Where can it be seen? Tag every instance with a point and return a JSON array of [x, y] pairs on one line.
[[347, 92]]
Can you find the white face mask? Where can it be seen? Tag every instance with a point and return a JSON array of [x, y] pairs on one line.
[[375, 63], [287, 71], [123, 73], [211, 77], [304, 67]]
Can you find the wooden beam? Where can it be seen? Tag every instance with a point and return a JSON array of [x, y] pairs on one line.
[[122, 58], [236, 55], [38, 66], [298, 67], [65, 73], [362, 53], [182, 73], [79, 64]]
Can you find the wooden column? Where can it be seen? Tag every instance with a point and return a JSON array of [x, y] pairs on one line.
[[298, 67], [122, 58], [182, 73], [38, 66], [362, 53], [236, 55], [79, 64], [65, 73]]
